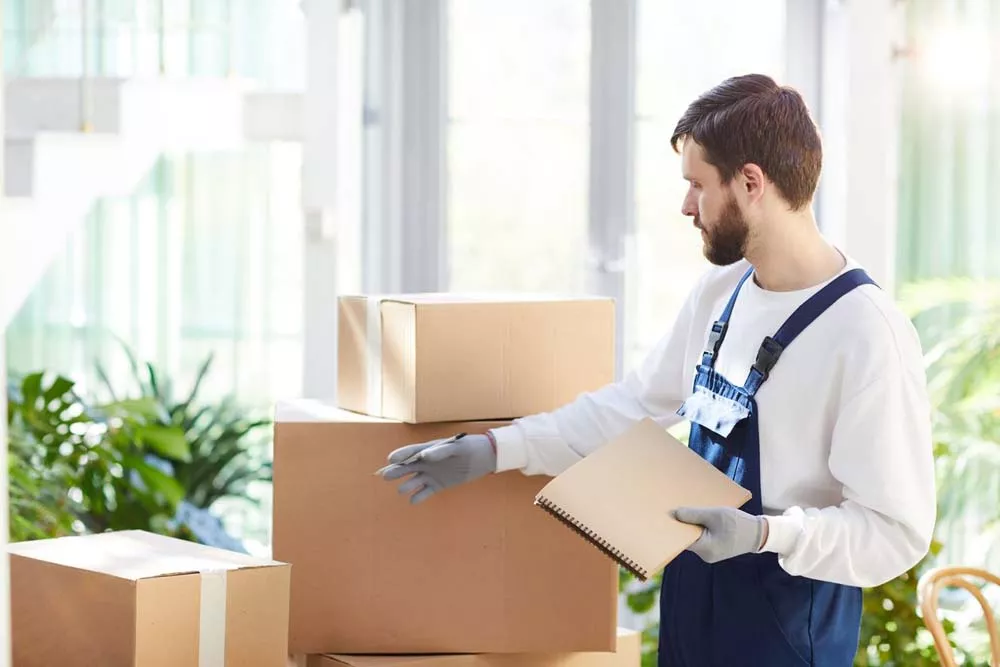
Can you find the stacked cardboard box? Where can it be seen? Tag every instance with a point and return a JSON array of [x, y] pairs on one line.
[[475, 576], [628, 653], [135, 599]]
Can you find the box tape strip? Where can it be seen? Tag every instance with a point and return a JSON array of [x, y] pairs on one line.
[[373, 335], [212, 638]]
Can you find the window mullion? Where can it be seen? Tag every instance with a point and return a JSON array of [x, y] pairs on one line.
[[612, 131]]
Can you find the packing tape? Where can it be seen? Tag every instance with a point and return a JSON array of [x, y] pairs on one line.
[[373, 329], [212, 638]]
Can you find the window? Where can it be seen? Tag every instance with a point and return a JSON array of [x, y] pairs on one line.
[[517, 145], [196, 260], [684, 48]]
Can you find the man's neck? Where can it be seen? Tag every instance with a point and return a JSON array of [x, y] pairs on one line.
[[791, 254]]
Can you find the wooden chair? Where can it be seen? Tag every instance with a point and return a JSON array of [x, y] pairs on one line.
[[929, 589]]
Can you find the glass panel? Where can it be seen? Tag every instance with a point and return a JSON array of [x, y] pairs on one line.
[[262, 40], [205, 255], [268, 42], [674, 65], [517, 144]]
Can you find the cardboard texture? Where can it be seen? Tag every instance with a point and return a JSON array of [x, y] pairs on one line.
[[446, 357], [620, 497], [135, 599], [475, 569], [628, 653]]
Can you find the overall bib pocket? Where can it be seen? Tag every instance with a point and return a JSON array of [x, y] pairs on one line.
[[718, 414]]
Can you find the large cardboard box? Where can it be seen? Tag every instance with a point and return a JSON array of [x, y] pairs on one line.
[[134, 599], [627, 654], [475, 569], [451, 357]]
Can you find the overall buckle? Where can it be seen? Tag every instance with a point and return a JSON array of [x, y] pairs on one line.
[[767, 356], [715, 338]]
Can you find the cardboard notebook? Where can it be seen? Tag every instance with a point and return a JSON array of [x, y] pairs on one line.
[[620, 497]]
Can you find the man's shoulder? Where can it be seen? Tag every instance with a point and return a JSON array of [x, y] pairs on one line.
[[872, 324], [874, 310]]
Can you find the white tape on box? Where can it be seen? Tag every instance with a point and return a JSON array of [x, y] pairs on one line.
[[212, 640], [373, 330]]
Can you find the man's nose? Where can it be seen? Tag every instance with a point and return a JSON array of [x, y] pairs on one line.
[[689, 207]]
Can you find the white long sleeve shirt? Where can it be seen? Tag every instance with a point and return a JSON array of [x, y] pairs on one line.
[[847, 472]]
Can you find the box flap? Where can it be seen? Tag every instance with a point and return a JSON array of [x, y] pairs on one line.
[[135, 554], [312, 410]]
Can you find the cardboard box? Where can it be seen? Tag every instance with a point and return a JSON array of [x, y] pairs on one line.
[[134, 599], [447, 357], [475, 569], [627, 654]]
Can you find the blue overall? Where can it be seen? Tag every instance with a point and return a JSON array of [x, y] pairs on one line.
[[747, 611]]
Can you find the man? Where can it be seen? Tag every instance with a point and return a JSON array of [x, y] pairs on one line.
[[801, 380]]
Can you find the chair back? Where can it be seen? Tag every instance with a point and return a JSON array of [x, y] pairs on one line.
[[970, 578]]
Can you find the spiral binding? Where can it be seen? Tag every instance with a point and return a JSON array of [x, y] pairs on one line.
[[592, 537]]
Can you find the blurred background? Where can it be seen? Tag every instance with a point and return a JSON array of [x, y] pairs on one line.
[[189, 185]]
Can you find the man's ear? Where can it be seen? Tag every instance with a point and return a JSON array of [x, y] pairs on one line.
[[752, 182]]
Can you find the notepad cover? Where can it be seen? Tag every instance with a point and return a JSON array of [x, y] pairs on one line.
[[621, 496]]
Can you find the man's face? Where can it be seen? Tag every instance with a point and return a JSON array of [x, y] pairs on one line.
[[713, 207]]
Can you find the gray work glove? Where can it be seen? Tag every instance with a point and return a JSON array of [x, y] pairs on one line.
[[440, 464], [728, 532]]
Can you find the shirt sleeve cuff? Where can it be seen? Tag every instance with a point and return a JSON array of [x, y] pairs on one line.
[[783, 533], [512, 450]]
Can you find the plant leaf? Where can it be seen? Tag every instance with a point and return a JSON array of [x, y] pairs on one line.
[[31, 389], [148, 408], [153, 384], [158, 481], [199, 377], [59, 388], [134, 366], [103, 376], [167, 442]]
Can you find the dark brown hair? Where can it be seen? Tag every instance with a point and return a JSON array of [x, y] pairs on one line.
[[751, 119]]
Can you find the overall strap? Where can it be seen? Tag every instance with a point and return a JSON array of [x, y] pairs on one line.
[[772, 346], [718, 333]]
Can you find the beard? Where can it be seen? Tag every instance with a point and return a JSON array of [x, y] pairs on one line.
[[726, 238]]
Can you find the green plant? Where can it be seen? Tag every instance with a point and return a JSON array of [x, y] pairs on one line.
[[39, 506], [959, 321], [641, 598], [223, 456], [88, 462]]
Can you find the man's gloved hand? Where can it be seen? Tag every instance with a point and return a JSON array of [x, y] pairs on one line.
[[728, 532], [441, 464]]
